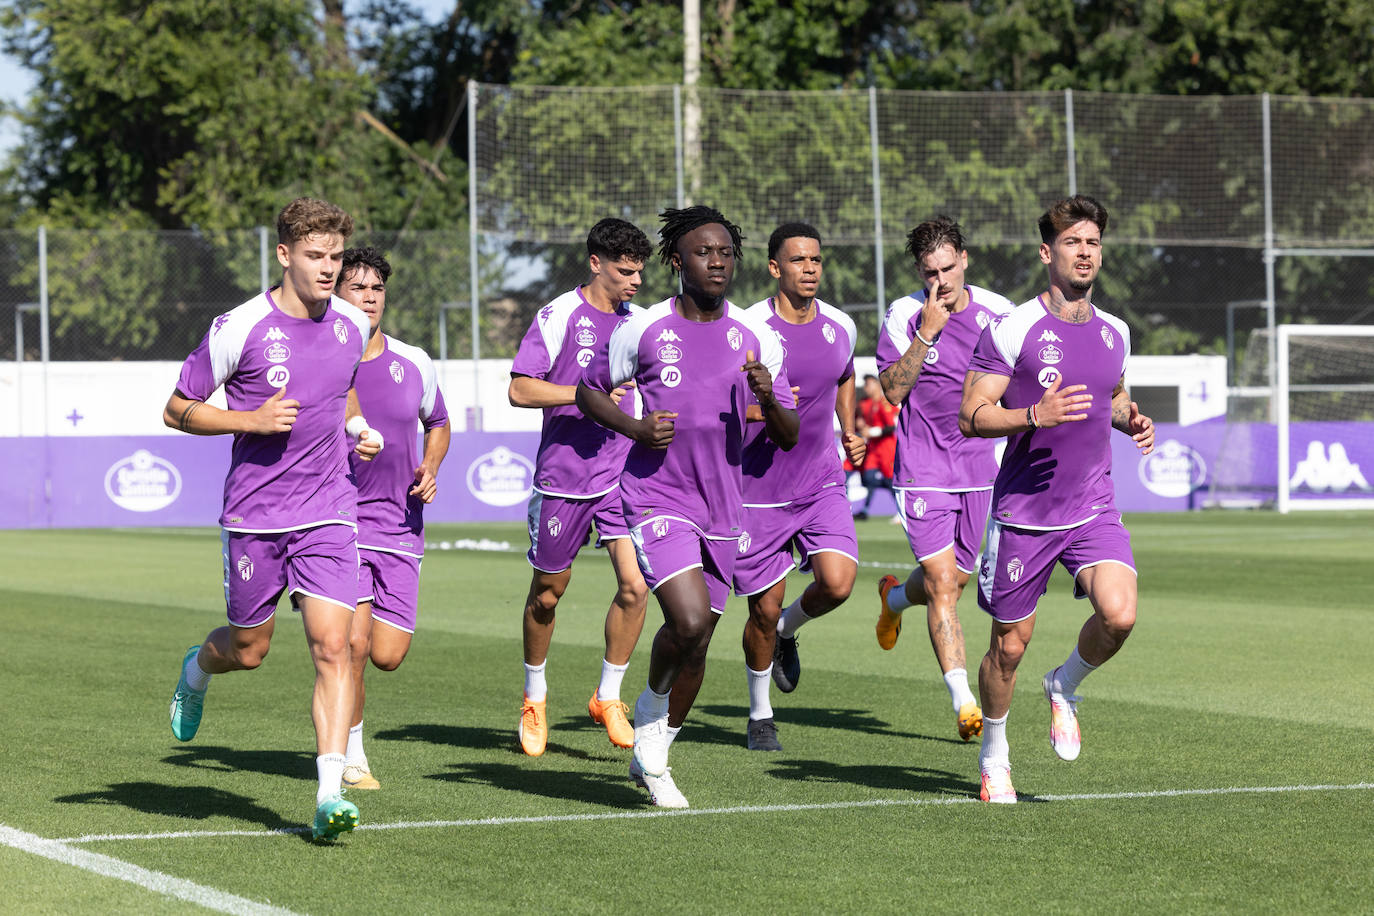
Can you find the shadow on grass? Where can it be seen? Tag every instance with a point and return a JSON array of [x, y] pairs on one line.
[[853, 720], [194, 802], [293, 764], [593, 788], [875, 776], [488, 738]]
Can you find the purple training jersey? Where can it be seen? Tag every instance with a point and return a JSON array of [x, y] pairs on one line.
[[577, 456], [931, 452], [395, 389], [297, 479], [695, 369], [817, 357], [1059, 477]]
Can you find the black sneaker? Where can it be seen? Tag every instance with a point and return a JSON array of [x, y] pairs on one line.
[[786, 664], [763, 735]]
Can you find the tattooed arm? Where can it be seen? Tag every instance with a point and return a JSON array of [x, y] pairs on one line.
[[1126, 416]]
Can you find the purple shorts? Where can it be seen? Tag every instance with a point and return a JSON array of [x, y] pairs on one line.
[[319, 562], [823, 522], [667, 546], [559, 526], [1017, 562], [936, 521], [391, 581]]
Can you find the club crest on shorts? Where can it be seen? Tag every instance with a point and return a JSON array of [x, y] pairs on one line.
[[341, 330], [554, 526], [398, 371], [918, 508], [245, 567], [1014, 569], [660, 527], [744, 542], [828, 332], [735, 338], [1109, 339]]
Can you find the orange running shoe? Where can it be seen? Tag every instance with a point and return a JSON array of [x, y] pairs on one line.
[[615, 716], [997, 786], [969, 720], [534, 727], [1065, 737], [889, 624]]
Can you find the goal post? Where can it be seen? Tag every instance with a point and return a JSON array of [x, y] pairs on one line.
[[1324, 416]]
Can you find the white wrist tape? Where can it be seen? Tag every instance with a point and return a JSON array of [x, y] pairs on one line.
[[355, 426]]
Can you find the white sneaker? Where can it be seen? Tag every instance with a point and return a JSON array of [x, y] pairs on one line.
[[1065, 737], [663, 792], [651, 743], [996, 787]]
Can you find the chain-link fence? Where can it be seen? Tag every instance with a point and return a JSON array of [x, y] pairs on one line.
[[1228, 214]]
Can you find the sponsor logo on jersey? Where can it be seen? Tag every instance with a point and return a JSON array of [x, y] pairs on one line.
[[1172, 470], [277, 353], [585, 338], [1014, 569], [245, 568], [666, 334], [828, 332], [744, 542], [555, 526], [398, 372], [660, 527], [1048, 335], [278, 376], [1051, 355], [142, 482], [1327, 468], [274, 334], [584, 357], [932, 356], [501, 477], [1048, 376], [341, 330], [671, 377], [1109, 339], [669, 354], [918, 508], [584, 322], [735, 338]]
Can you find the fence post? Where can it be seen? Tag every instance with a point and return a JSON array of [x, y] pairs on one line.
[[1068, 141], [677, 141], [263, 277], [43, 316], [472, 245], [1269, 250], [879, 279]]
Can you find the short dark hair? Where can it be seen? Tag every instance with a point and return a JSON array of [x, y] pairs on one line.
[[613, 239], [677, 223], [356, 259], [790, 231], [1072, 210], [932, 235], [305, 216], [870, 375]]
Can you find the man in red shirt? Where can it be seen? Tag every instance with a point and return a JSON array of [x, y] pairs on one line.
[[880, 428]]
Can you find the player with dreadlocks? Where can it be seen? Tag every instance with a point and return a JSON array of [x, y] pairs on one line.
[[682, 485]]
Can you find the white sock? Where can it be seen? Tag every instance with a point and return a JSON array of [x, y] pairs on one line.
[[196, 677], [536, 688], [956, 679], [650, 706], [330, 769], [792, 619], [1071, 673], [672, 733], [611, 677], [354, 756], [897, 600], [995, 749], [760, 706]]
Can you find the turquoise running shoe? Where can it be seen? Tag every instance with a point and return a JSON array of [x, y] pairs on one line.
[[333, 817], [187, 704]]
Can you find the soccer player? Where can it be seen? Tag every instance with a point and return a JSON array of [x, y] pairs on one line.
[[577, 477], [693, 357], [1051, 377], [943, 481], [797, 497], [396, 386], [289, 506]]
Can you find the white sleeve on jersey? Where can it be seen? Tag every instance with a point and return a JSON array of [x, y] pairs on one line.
[[428, 374], [226, 344]]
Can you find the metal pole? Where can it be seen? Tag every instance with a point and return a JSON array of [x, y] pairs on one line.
[[1068, 138], [1269, 251], [1281, 419], [877, 204], [691, 75], [677, 142], [473, 284], [262, 258], [43, 315]]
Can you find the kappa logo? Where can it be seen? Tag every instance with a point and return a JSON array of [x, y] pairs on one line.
[[398, 372], [1014, 569], [828, 332], [1109, 339], [272, 333], [1047, 376], [668, 334], [744, 542], [218, 323], [669, 354], [584, 322], [585, 338], [919, 507], [341, 330], [660, 527], [735, 338], [1328, 468], [545, 313], [1050, 336], [245, 567], [1051, 355], [555, 526]]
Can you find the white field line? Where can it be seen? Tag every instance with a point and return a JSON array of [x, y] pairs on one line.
[[747, 809], [154, 881]]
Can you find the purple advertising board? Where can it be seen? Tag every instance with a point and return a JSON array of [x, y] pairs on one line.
[[79, 482]]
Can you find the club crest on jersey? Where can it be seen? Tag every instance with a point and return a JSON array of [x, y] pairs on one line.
[[660, 527], [245, 566], [735, 338], [669, 354], [272, 333], [1049, 336], [1014, 569], [277, 353], [744, 542], [555, 526], [828, 332], [918, 508], [1109, 339], [667, 334], [584, 357], [341, 330], [671, 377], [1048, 376], [1051, 355], [585, 338], [398, 371]]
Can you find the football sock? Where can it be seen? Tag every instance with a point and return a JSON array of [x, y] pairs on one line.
[[956, 679], [330, 769], [536, 688], [792, 619], [672, 733], [1071, 673], [354, 756], [760, 706], [196, 677], [897, 601], [611, 677], [654, 705], [995, 749]]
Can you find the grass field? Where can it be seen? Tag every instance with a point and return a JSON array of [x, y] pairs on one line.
[[1226, 762]]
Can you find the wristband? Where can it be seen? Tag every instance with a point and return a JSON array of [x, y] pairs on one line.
[[973, 420], [928, 343], [1031, 419]]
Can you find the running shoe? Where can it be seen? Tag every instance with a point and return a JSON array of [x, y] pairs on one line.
[[786, 663], [333, 816], [763, 735], [534, 727], [615, 715], [663, 792], [997, 787], [969, 721], [651, 743], [359, 777], [1064, 735], [187, 704], [889, 624]]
